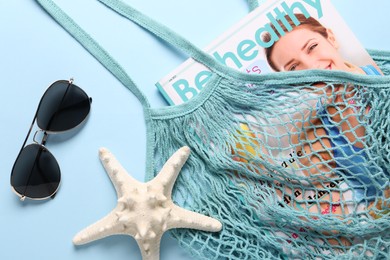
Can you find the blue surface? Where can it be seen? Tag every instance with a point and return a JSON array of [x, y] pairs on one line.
[[35, 51]]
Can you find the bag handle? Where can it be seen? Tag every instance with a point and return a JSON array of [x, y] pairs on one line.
[[253, 4], [142, 20]]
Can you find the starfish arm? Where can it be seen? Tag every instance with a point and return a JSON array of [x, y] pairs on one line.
[[150, 248], [105, 227], [182, 218], [171, 169], [145, 210], [118, 175]]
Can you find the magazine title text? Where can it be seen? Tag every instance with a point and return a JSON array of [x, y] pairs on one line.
[[247, 49]]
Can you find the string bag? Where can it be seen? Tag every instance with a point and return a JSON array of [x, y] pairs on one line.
[[294, 164]]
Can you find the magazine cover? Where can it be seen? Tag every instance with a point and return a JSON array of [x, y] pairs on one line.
[[243, 46]]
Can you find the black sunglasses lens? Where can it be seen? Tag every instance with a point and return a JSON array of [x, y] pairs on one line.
[[36, 173], [62, 107]]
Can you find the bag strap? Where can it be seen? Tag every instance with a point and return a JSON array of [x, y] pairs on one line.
[[142, 20], [253, 4], [92, 47]]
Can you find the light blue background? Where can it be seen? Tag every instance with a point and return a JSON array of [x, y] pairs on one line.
[[35, 51]]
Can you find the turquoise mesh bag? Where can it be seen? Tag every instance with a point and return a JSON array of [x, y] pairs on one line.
[[294, 164]]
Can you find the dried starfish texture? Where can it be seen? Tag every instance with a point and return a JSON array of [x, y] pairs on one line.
[[145, 210]]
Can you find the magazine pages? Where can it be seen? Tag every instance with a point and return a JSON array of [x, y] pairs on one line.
[[242, 47]]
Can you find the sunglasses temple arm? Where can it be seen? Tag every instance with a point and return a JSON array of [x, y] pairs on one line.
[[44, 139], [29, 131], [25, 141], [32, 124]]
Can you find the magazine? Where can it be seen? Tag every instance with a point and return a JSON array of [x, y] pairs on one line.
[[267, 139], [242, 47]]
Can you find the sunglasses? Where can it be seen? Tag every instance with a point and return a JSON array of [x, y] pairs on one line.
[[36, 173]]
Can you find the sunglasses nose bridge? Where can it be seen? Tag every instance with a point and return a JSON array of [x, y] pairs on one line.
[[44, 138]]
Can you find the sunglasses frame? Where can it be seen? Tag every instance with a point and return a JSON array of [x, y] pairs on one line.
[[46, 134]]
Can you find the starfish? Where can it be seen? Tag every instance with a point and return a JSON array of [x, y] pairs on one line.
[[145, 210]]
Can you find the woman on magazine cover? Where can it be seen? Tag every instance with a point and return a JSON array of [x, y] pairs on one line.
[[333, 137]]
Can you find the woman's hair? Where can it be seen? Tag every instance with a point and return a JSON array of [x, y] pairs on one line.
[[308, 23]]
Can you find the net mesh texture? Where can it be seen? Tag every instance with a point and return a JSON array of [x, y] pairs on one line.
[[292, 171]]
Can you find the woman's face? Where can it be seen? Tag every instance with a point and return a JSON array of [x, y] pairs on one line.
[[303, 49]]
